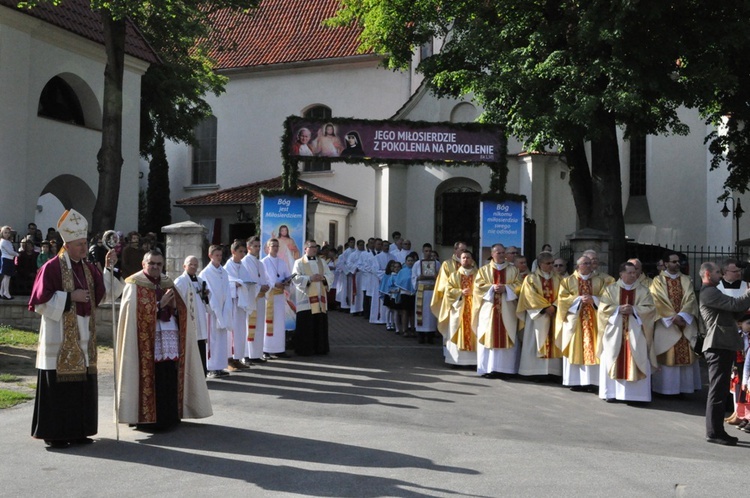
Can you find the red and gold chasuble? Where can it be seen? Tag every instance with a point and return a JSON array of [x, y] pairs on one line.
[[147, 310], [549, 350], [588, 319], [681, 353], [625, 367], [499, 335], [467, 338]]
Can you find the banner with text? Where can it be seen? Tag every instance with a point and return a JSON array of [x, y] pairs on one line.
[[283, 218], [500, 223], [338, 140]]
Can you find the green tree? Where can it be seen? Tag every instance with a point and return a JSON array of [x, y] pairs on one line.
[[172, 101], [562, 73], [179, 31]]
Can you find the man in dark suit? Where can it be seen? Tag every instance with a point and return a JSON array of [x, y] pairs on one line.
[[720, 314]]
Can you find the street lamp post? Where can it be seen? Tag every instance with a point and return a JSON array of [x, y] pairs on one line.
[[737, 213]]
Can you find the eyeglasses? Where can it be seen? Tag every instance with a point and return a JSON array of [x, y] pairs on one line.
[[511, 252]]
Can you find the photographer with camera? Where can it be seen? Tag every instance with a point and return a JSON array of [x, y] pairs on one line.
[[194, 292]]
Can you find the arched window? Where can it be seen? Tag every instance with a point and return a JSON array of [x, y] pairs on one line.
[[59, 101], [464, 112], [317, 112], [204, 154]]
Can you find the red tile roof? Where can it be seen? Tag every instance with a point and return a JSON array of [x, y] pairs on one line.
[[284, 31], [77, 17], [250, 194]]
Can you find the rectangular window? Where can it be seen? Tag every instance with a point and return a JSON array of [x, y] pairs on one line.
[[333, 233], [204, 154], [425, 50], [316, 165], [638, 165]]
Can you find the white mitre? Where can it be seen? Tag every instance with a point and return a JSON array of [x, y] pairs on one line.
[[72, 226]]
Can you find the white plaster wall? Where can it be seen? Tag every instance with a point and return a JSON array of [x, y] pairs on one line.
[[251, 115], [35, 150]]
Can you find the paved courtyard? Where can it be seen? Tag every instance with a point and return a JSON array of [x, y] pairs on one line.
[[383, 416]]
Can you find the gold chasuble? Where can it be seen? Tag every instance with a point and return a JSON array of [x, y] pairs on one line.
[[625, 367], [272, 293], [577, 333], [495, 321], [446, 269], [458, 309], [538, 293], [626, 340], [672, 343], [71, 360]]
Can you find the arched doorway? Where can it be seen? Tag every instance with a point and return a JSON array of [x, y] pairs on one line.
[[63, 192], [457, 212]]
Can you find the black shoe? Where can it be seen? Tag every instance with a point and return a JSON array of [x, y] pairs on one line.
[[611, 400], [742, 425], [430, 339], [259, 360], [421, 339], [269, 356], [723, 440], [57, 444], [216, 374], [246, 362], [83, 440]]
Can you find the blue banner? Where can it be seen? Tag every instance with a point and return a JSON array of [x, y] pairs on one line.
[[500, 223], [283, 218]]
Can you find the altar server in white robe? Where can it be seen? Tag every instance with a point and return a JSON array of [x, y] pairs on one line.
[[378, 313], [279, 277], [344, 284], [370, 281], [626, 355], [220, 313], [243, 293], [256, 320], [355, 266], [195, 294]]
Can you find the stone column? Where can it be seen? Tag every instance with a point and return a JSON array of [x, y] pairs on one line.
[[183, 239], [588, 238]]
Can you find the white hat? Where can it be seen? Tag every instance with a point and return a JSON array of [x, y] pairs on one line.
[[72, 226]]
